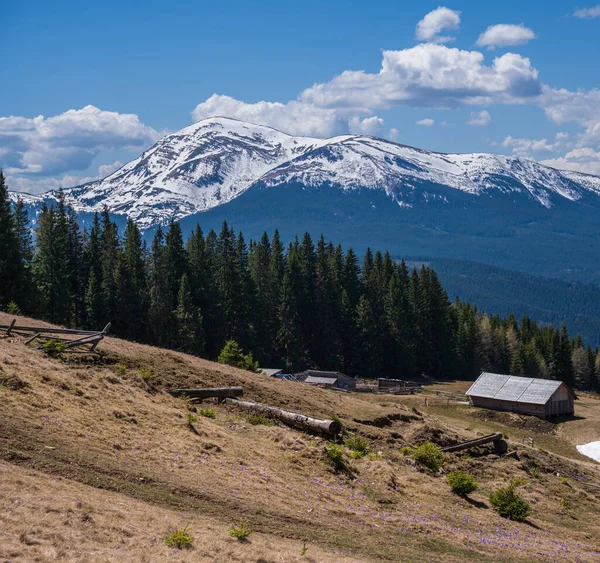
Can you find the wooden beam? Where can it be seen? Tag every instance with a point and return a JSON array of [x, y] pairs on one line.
[[10, 327], [218, 392], [330, 427], [496, 437], [29, 340], [47, 330]]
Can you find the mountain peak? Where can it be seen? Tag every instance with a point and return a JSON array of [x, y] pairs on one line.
[[215, 160]]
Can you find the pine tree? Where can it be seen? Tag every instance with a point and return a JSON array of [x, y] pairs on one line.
[[94, 313], [10, 260], [190, 332], [23, 265], [109, 244], [289, 336], [51, 263], [161, 312], [561, 367], [132, 287]]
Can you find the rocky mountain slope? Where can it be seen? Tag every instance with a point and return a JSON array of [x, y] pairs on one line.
[[214, 161]]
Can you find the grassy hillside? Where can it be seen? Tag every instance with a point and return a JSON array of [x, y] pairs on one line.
[[98, 463]]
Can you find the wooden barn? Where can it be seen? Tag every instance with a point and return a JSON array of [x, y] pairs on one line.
[[523, 395], [327, 379]]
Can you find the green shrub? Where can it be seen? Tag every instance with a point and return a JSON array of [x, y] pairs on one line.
[[462, 483], [509, 503], [192, 418], [146, 374], [232, 355], [429, 455], [54, 348], [359, 445], [256, 419], [240, 531], [335, 454], [208, 413], [13, 309], [179, 539]]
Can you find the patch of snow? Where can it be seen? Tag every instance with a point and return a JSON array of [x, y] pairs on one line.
[[590, 450]]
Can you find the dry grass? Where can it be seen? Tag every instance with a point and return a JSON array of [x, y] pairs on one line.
[[108, 429]]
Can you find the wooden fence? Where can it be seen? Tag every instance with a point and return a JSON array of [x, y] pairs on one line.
[[44, 334]]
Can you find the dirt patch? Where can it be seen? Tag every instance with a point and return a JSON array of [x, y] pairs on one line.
[[437, 435], [389, 419], [530, 423]]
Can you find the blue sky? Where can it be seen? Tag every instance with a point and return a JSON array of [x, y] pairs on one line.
[[90, 85]]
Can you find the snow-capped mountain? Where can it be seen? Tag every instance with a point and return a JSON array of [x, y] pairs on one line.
[[213, 162]]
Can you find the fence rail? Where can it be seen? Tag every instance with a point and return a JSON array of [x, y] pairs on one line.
[[32, 333]]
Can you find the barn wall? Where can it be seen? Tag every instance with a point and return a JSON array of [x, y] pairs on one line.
[[561, 402], [510, 406]]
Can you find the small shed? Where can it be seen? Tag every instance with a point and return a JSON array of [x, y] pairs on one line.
[[523, 395], [327, 379], [271, 372]]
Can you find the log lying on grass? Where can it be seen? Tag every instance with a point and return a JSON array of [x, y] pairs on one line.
[[500, 446], [218, 392], [330, 427]]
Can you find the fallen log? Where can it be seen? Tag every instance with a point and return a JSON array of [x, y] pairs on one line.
[[330, 427], [500, 446], [218, 392]]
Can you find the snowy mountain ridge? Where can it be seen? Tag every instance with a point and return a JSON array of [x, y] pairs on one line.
[[215, 160]]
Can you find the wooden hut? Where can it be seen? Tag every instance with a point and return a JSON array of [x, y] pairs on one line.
[[523, 395], [327, 379]]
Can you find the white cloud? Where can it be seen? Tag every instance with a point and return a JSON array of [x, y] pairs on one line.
[[69, 141], [526, 147], [582, 107], [430, 75], [427, 122], [480, 118], [37, 185], [581, 160], [505, 35], [368, 126], [106, 169], [440, 19], [297, 118], [593, 12], [393, 134]]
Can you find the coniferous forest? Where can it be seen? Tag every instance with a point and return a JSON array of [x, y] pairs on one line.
[[306, 304]]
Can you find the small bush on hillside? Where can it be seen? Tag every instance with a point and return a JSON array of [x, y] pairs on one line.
[[240, 531], [208, 413], [179, 539], [54, 348], [359, 445], [257, 419], [428, 455], [146, 374], [462, 483], [232, 355], [192, 418], [509, 503], [335, 454], [13, 309]]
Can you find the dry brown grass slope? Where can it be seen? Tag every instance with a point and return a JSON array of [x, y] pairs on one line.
[[98, 463]]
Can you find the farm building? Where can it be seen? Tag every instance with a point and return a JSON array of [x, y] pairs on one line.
[[327, 379], [271, 372], [523, 395]]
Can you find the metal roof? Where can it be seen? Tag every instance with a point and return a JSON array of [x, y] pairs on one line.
[[512, 388], [270, 371], [320, 380]]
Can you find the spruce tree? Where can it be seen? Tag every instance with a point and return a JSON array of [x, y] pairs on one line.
[[190, 332]]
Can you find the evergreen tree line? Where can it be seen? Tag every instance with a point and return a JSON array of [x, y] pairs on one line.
[[307, 305]]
